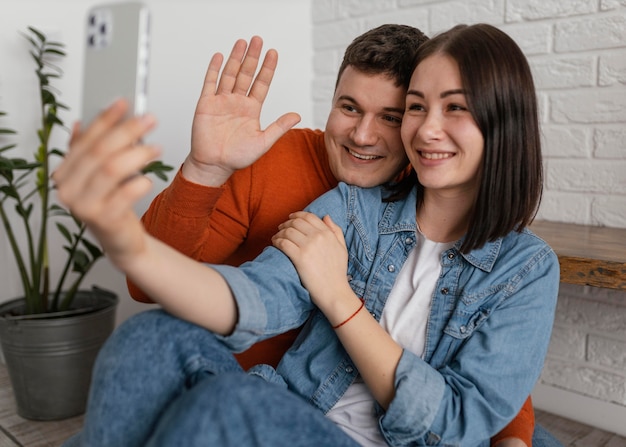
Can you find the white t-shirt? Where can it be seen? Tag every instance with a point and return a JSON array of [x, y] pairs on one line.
[[404, 317]]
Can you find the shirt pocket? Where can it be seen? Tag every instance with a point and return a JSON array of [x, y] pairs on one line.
[[469, 314]]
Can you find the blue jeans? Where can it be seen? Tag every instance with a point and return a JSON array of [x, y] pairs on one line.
[[161, 381], [543, 438]]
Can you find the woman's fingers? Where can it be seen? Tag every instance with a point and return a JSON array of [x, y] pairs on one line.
[[89, 197], [106, 136], [103, 162]]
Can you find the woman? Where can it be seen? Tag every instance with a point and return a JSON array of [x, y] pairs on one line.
[[459, 295]]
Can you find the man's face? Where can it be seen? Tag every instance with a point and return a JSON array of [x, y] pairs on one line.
[[363, 129]]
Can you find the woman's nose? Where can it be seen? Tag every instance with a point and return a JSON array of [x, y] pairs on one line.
[[431, 127]]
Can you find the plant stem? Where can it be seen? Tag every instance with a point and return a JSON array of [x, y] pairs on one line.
[[28, 291], [43, 270]]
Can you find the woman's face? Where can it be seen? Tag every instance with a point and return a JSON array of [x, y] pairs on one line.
[[441, 138]]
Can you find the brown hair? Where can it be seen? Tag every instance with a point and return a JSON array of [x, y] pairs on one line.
[[502, 99], [387, 49]]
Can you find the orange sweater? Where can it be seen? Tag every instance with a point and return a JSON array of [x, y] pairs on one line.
[[232, 224]]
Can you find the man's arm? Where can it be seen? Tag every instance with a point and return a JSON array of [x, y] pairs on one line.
[[226, 132], [226, 137]]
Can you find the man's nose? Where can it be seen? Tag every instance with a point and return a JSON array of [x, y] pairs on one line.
[[365, 132]]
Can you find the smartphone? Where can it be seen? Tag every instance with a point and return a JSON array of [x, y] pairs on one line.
[[117, 43]]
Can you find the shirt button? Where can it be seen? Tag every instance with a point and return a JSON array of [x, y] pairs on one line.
[[463, 329], [349, 369], [450, 256], [349, 277], [408, 241], [391, 268], [444, 290]]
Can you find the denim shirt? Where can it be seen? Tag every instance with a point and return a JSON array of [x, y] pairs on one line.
[[487, 333]]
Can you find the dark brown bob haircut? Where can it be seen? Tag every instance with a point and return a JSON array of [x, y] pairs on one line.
[[501, 98], [387, 49]]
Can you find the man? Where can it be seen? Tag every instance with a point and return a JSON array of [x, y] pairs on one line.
[[224, 206]]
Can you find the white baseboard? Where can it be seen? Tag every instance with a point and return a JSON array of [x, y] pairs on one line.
[[604, 415]]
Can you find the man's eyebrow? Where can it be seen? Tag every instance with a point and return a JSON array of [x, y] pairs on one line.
[[458, 91], [354, 101], [347, 98]]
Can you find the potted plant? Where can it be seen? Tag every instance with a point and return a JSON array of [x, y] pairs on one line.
[[50, 336]]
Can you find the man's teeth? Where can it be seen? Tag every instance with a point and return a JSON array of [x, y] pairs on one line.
[[436, 155], [363, 157]]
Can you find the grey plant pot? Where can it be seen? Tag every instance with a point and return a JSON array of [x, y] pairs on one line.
[[49, 357]]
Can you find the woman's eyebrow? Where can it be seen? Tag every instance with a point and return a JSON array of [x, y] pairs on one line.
[[458, 91]]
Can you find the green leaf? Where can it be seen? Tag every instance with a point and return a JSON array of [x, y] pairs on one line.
[[37, 59], [65, 232], [47, 97], [54, 51], [17, 164], [24, 212], [58, 152], [43, 78], [6, 148], [158, 169], [37, 33], [7, 173], [56, 210], [93, 249], [9, 191], [7, 131], [55, 119], [81, 261], [30, 39]]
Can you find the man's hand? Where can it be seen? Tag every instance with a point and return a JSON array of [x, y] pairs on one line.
[[226, 133]]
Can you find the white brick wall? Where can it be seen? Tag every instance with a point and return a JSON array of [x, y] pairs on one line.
[[577, 51], [588, 349]]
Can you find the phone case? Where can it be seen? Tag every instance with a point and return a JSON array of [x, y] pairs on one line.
[[116, 58]]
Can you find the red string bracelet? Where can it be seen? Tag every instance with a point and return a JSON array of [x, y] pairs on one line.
[[351, 316]]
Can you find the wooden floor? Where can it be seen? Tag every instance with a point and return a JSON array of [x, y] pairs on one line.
[[18, 432]]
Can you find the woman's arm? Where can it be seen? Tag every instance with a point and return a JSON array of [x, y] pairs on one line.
[[463, 398], [99, 182], [317, 249]]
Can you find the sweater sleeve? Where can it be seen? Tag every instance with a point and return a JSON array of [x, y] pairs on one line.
[[522, 427], [184, 216], [235, 222]]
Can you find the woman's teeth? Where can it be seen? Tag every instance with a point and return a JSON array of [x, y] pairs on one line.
[[436, 155]]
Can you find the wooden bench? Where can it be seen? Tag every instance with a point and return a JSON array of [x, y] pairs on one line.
[[589, 255]]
